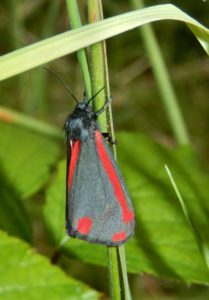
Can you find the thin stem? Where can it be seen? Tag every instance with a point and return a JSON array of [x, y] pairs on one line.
[[97, 66], [166, 89], [75, 21], [109, 115], [124, 277], [39, 77], [118, 280], [15, 25], [16, 30], [113, 271]]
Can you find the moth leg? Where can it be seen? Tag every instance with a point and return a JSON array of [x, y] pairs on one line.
[[109, 138], [84, 95], [107, 102]]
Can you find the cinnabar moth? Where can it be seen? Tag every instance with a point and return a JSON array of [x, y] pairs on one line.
[[98, 206]]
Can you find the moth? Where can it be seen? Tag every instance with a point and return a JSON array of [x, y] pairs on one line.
[[98, 205]]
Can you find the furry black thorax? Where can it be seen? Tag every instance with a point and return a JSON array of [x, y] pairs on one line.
[[81, 124]]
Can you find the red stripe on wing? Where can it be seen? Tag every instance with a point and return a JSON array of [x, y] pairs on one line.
[[75, 147], [128, 215]]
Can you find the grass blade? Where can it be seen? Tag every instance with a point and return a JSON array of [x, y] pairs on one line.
[[163, 81], [200, 242], [47, 50]]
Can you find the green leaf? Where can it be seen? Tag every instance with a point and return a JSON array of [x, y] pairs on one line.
[[27, 275], [26, 158], [49, 49], [13, 217], [163, 244]]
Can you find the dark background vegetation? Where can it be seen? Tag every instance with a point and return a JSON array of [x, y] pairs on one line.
[[133, 87], [136, 103]]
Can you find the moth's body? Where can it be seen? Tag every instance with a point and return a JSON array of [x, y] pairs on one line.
[[81, 125], [98, 208]]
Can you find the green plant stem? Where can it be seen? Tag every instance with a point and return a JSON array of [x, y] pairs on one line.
[[161, 74], [16, 30], [75, 21], [113, 271], [10, 116], [118, 280], [97, 65], [15, 25], [124, 277], [39, 77]]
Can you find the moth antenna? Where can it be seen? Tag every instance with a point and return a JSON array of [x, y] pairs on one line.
[[94, 96], [63, 82]]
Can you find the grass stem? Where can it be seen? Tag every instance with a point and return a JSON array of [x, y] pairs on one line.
[[118, 280], [75, 21], [164, 83]]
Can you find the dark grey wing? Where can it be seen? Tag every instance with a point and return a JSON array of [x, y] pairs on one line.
[[94, 211]]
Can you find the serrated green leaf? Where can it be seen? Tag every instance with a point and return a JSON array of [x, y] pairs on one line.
[[25, 274], [163, 244], [26, 158], [71, 41]]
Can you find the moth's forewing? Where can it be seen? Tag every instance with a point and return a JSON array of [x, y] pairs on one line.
[[98, 207]]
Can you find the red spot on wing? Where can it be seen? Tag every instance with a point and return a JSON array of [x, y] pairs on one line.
[[75, 147], [128, 215], [119, 236], [84, 225]]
